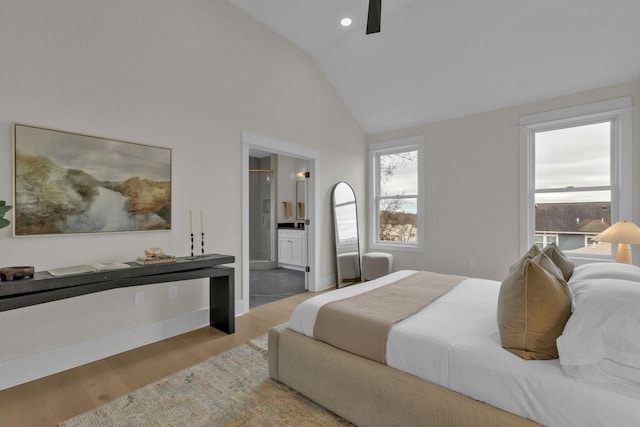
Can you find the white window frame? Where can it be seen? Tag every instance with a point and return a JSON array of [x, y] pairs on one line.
[[413, 143], [619, 111], [545, 238]]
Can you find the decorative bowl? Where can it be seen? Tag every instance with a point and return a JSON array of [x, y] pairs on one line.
[[154, 252], [16, 273]]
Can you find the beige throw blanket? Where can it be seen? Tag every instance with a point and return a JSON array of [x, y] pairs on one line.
[[361, 324]]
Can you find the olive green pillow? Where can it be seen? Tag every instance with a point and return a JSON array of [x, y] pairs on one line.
[[534, 305], [559, 259]]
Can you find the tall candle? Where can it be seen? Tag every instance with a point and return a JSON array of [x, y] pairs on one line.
[[190, 222], [201, 222]]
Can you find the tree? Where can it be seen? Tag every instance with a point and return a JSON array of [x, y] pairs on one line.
[[396, 225]]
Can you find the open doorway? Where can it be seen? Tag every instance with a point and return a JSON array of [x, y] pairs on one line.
[[277, 238], [278, 220], [262, 195]]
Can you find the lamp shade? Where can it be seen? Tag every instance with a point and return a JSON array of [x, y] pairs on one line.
[[620, 232]]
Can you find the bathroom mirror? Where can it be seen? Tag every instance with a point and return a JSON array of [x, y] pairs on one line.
[[345, 221], [301, 199]]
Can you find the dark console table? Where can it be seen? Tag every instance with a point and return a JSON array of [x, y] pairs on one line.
[[44, 287]]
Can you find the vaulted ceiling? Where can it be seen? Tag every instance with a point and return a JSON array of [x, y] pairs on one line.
[[436, 60]]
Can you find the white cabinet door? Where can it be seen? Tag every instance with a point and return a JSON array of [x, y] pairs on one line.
[[284, 250], [296, 252], [292, 248]]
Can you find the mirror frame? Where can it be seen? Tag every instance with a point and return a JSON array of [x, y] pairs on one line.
[[340, 280]]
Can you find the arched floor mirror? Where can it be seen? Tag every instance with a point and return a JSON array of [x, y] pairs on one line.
[[345, 220]]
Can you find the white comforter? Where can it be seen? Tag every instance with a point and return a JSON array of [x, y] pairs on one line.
[[454, 342]]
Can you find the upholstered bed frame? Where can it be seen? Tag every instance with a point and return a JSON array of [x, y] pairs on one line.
[[367, 393]]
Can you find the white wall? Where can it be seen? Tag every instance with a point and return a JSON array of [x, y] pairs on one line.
[[472, 185], [189, 75]]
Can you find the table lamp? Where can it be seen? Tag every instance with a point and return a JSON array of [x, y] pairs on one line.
[[623, 233]]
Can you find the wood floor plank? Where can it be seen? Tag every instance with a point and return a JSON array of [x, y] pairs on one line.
[[50, 400], [100, 382]]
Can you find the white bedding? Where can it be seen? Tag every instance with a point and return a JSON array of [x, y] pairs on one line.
[[454, 342]]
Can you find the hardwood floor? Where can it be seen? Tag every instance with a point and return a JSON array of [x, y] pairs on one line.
[[50, 400]]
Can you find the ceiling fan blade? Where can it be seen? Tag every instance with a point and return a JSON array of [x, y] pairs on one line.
[[373, 21]]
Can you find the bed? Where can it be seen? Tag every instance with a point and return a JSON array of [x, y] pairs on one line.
[[445, 365]]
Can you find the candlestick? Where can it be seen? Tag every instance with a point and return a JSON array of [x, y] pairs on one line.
[[202, 243]]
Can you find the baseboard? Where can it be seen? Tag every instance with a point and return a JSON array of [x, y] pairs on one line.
[[240, 307], [24, 369], [291, 267], [325, 283]]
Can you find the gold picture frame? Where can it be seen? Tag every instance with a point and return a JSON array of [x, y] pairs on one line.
[[73, 183]]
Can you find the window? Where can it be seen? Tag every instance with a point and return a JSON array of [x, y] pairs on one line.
[[397, 220], [575, 176], [544, 239]]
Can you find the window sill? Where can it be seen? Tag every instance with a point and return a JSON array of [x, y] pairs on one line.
[[397, 247]]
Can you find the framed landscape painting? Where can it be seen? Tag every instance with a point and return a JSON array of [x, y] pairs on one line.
[[69, 183]]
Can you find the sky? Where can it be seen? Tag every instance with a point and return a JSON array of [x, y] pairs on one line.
[[402, 181], [104, 159], [573, 157]]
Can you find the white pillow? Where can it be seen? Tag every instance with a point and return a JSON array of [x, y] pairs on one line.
[[601, 341], [605, 270]]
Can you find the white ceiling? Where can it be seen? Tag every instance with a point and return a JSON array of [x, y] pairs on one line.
[[435, 60]]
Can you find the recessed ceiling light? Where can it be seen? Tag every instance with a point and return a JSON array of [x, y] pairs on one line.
[[346, 22]]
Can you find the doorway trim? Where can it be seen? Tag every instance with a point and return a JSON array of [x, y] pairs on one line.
[[276, 146]]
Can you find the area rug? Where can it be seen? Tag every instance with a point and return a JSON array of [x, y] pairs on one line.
[[230, 389]]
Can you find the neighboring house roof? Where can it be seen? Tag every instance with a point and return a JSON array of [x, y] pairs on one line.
[[586, 217], [600, 248]]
